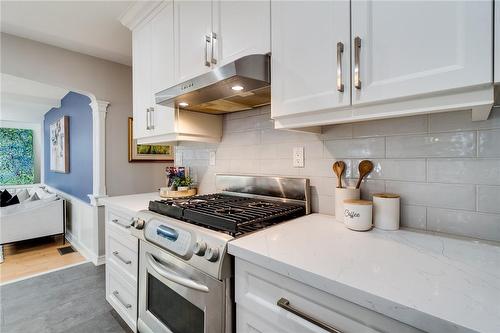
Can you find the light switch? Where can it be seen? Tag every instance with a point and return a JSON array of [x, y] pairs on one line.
[[298, 157], [211, 160]]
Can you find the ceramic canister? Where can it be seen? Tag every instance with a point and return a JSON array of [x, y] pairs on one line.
[[358, 214], [342, 194], [386, 211]]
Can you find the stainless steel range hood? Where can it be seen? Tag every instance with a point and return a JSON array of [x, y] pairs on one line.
[[240, 85]]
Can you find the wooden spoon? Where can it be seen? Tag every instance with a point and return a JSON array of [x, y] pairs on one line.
[[339, 168], [365, 167]]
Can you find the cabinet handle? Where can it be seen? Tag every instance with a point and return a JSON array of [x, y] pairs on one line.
[[357, 51], [213, 39], [126, 226], [207, 41], [125, 261], [147, 119], [340, 52], [152, 115], [285, 304], [126, 305]]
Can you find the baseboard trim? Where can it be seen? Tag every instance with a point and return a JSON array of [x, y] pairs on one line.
[[82, 249]]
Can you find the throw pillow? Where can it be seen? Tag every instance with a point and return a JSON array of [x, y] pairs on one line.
[[23, 195], [12, 201], [34, 197], [4, 197]]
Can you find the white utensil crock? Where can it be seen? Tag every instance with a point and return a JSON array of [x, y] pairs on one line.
[[342, 194]]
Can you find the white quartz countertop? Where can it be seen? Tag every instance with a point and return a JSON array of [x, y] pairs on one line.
[[434, 283], [131, 203]]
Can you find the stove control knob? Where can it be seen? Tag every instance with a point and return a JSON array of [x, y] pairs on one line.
[[199, 248], [212, 254]]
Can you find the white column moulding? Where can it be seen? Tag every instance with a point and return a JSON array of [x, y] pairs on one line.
[[99, 110]]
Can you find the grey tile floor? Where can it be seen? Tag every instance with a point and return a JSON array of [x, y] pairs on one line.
[[70, 300]]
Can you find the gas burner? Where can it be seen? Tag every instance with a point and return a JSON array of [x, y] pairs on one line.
[[261, 204], [229, 211], [196, 201]]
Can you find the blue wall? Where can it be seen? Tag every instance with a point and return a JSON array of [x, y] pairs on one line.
[[78, 182]]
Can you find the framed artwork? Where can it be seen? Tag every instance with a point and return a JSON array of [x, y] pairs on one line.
[[59, 145], [147, 153]]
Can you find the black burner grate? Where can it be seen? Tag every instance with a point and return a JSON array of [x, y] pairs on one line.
[[232, 214]]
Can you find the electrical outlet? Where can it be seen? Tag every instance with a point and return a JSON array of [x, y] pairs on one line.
[[298, 157], [211, 160]]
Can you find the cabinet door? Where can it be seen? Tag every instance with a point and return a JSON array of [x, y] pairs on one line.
[[242, 28], [497, 41], [141, 72], [193, 22], [304, 56], [410, 48], [162, 55], [162, 62]]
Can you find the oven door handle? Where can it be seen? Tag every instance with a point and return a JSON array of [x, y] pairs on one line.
[[170, 275]]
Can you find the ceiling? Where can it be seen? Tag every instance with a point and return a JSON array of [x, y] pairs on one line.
[[25, 100], [89, 27]]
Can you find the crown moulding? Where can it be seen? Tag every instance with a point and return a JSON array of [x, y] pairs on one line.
[[137, 12]]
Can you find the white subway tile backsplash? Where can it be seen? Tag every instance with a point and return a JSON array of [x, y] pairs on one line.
[[488, 199], [241, 138], [464, 171], [435, 195], [489, 143], [413, 217], [458, 222], [340, 131], [462, 120], [407, 169], [392, 126], [355, 148], [444, 185], [461, 144]]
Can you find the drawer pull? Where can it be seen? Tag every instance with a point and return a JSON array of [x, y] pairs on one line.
[[126, 305], [125, 261], [285, 304], [126, 226]]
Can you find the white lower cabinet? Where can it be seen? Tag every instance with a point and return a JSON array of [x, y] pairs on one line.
[[122, 253], [258, 291]]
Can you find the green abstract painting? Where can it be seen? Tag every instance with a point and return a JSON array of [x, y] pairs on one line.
[[16, 156]]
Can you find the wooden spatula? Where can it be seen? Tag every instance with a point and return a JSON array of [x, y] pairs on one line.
[[365, 167], [339, 168]]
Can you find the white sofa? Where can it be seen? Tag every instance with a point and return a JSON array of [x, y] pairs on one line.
[[31, 219]]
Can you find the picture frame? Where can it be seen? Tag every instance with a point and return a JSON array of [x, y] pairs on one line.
[[59, 145], [147, 153]]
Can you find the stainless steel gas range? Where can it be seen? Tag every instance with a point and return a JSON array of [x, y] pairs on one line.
[[185, 273]]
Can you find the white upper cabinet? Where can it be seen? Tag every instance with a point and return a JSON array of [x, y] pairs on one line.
[[408, 48], [241, 28], [162, 49], [193, 27], [310, 56], [400, 58], [141, 80], [497, 41]]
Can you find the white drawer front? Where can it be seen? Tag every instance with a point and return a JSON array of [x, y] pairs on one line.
[[121, 295], [118, 221], [123, 256], [258, 291]]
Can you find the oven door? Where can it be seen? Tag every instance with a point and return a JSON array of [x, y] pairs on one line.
[[175, 297]]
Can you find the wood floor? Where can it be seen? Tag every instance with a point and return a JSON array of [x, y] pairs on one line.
[[32, 257], [70, 300]]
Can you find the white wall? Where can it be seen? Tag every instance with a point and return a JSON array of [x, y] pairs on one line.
[[107, 81], [37, 144]]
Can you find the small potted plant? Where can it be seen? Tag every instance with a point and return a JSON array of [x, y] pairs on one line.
[[183, 183]]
